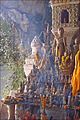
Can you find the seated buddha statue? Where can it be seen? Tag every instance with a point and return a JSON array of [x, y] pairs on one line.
[[66, 67], [64, 61]]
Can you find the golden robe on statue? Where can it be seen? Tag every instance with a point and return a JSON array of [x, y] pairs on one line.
[[76, 75]]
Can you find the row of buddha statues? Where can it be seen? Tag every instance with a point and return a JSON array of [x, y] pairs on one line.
[[68, 59]]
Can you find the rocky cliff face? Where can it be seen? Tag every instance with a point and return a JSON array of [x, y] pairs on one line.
[[26, 16]]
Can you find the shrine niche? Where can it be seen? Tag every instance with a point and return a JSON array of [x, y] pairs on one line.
[[64, 16]]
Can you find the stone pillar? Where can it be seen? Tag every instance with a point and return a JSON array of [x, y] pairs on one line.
[[12, 111]]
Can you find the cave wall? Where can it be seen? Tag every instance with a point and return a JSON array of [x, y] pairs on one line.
[[25, 16]]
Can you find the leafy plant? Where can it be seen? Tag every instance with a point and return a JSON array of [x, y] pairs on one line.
[[11, 55]]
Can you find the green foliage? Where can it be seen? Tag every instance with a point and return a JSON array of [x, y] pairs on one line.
[[6, 91], [10, 55], [19, 75]]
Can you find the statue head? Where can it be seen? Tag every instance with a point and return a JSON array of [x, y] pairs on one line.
[[36, 44], [60, 31]]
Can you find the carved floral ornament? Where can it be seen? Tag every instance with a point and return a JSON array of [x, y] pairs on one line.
[[62, 1], [59, 1]]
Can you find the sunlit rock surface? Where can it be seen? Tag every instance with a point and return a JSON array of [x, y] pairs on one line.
[[26, 16]]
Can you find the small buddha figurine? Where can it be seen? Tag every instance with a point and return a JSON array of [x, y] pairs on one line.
[[64, 61]]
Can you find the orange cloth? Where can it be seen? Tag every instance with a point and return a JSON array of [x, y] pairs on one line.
[[43, 102], [37, 57], [76, 75]]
